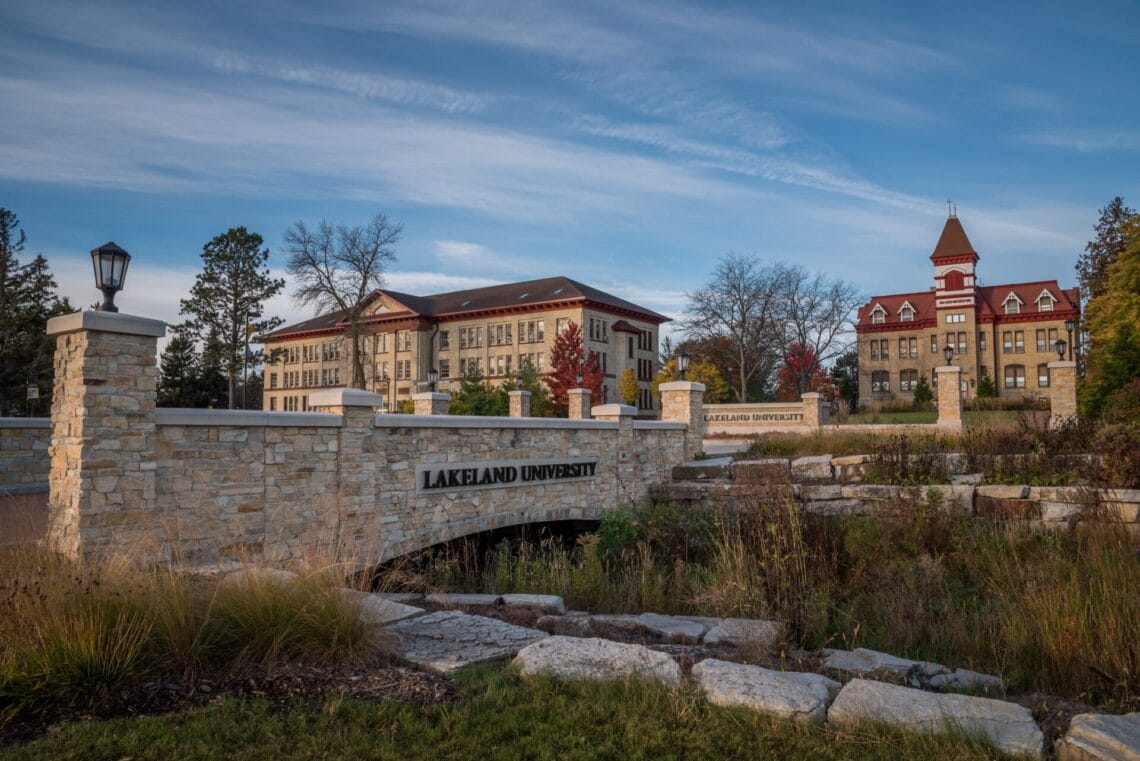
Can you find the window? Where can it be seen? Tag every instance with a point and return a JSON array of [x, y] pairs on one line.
[[908, 379], [645, 341], [598, 330], [292, 355], [878, 314], [645, 369], [445, 339], [981, 342], [403, 340], [290, 404], [383, 370], [330, 352], [954, 280], [330, 376], [560, 325], [1045, 302], [532, 331], [1015, 376], [1043, 375], [1007, 342], [934, 344], [382, 343], [272, 404], [445, 368], [956, 317], [1041, 345], [906, 314], [902, 348], [983, 372], [880, 381], [499, 335], [913, 344], [311, 353], [874, 349], [884, 349], [962, 342], [273, 380], [951, 340], [1018, 342], [1012, 304], [630, 347]]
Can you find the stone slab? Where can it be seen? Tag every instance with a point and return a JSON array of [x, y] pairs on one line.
[[1008, 726], [450, 639], [567, 626], [407, 598], [862, 661], [382, 611], [701, 470], [964, 679], [673, 629], [454, 600], [815, 466], [803, 698], [838, 507], [545, 603], [748, 632], [592, 658], [1055, 512], [1002, 491], [1100, 737], [966, 479]]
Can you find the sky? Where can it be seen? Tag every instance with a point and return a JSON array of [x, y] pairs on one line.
[[628, 145]]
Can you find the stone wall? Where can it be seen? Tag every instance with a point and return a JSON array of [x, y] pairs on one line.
[[24, 464], [805, 416]]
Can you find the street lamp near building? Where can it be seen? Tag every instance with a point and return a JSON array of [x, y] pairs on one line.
[[1070, 324], [110, 263], [682, 364], [433, 378], [948, 352], [1059, 345]]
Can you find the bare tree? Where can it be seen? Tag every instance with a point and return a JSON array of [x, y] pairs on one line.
[[744, 301], [336, 266], [817, 320]]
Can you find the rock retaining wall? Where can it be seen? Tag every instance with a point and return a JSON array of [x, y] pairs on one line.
[[24, 463]]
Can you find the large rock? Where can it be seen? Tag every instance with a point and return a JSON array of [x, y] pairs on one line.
[[1099, 737], [578, 658], [966, 680], [862, 661], [570, 626], [450, 639], [746, 632], [804, 698], [379, 610], [545, 603], [674, 629], [457, 600], [813, 467], [702, 470], [1008, 726]]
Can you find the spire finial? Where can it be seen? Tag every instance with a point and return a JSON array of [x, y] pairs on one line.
[[951, 208]]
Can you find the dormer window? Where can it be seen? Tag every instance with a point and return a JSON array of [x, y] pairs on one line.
[[878, 314], [1012, 304], [906, 312], [1045, 301]]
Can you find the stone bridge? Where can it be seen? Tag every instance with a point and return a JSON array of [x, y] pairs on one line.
[[339, 484]]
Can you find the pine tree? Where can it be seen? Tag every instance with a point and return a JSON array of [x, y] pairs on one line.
[[528, 379], [1092, 266], [567, 359], [178, 377], [923, 395], [986, 388]]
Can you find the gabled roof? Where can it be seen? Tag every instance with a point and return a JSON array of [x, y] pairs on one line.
[[992, 297], [953, 241], [990, 301], [551, 290], [922, 303]]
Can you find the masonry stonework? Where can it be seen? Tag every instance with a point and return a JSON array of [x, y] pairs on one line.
[[1062, 392], [24, 464], [949, 398]]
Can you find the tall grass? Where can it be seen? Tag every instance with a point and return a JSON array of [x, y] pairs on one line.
[[71, 633]]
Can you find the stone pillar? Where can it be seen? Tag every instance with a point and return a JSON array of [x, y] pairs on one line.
[[627, 470], [520, 403], [1062, 391], [431, 403], [353, 538], [683, 401], [816, 410], [103, 463], [615, 413], [949, 398], [579, 403]]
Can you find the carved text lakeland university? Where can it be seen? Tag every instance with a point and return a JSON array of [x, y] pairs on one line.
[[504, 475]]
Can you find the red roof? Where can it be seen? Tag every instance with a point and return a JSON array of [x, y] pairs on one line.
[[990, 303], [953, 242]]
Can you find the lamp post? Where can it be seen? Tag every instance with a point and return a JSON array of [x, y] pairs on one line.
[[1070, 324], [433, 377], [682, 364], [110, 263], [948, 352], [579, 378], [1059, 345]]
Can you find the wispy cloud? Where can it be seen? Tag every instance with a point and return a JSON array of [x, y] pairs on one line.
[[1087, 140]]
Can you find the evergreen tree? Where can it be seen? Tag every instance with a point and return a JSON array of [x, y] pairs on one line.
[[923, 395], [178, 375], [1100, 253], [986, 388], [477, 396], [228, 298], [528, 379], [845, 375], [210, 385], [567, 359]]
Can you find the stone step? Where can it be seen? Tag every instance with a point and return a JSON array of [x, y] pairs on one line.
[[803, 698], [1099, 737], [592, 658], [450, 639]]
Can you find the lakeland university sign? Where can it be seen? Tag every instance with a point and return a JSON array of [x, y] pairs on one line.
[[435, 478]]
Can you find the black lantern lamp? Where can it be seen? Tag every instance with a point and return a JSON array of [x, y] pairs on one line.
[[110, 263], [433, 377], [579, 378], [1070, 326], [682, 364], [1059, 345], [948, 352]]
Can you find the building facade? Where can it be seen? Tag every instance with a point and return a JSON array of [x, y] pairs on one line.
[[493, 330], [1005, 332]]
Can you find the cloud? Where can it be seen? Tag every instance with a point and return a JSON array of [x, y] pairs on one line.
[[1087, 140]]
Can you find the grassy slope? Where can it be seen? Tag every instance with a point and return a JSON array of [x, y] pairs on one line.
[[497, 717]]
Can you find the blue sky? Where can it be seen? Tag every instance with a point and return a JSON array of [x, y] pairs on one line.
[[628, 145]]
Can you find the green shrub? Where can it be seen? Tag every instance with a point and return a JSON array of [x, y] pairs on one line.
[[923, 396]]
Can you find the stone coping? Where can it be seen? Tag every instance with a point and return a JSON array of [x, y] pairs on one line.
[[680, 385], [345, 397], [660, 425], [106, 322], [25, 422], [177, 416], [614, 410], [389, 420]]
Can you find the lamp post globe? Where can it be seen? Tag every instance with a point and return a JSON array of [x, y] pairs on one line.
[[110, 263], [948, 352], [682, 364], [1070, 326], [433, 377], [1059, 345]]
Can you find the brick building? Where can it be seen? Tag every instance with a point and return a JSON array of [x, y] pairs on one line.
[[493, 330], [1006, 332]]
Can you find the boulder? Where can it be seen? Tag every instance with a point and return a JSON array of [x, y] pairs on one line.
[[703, 470], [966, 680], [592, 658], [454, 600], [803, 698], [379, 610], [673, 629], [1008, 726], [570, 626], [1100, 737], [1057, 512], [544, 603], [450, 639], [814, 467], [746, 632], [862, 661]]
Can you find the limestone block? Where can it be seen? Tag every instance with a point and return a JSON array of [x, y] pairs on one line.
[[862, 661], [964, 679], [870, 491], [673, 629], [1008, 726], [577, 658], [999, 491], [450, 639], [1056, 512], [1100, 737], [839, 507], [746, 632], [699, 470], [452, 600], [545, 603], [818, 466], [569, 626], [966, 479], [812, 492], [803, 698]]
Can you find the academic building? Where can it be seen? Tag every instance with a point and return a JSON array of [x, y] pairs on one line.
[[491, 330], [1005, 332]]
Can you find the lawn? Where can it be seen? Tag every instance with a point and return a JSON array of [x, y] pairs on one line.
[[497, 716]]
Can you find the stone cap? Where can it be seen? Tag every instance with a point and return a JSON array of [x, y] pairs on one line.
[[948, 369], [345, 397], [382, 420], [187, 416], [578, 391], [1061, 364], [613, 410], [106, 322], [519, 392], [682, 386], [434, 396]]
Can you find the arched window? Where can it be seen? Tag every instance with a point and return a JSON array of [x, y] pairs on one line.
[[955, 280]]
